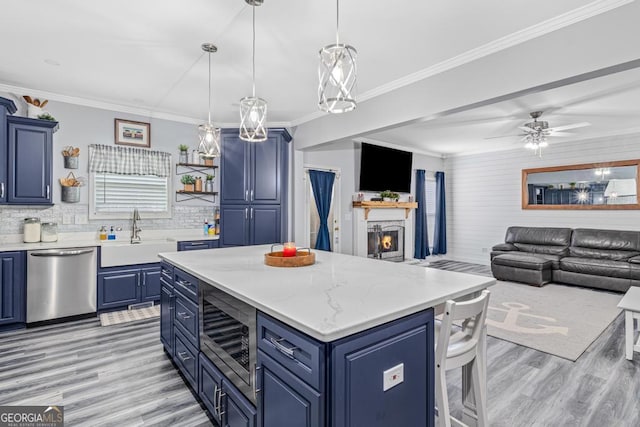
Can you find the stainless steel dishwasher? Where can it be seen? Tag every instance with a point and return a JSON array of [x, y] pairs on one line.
[[60, 283]]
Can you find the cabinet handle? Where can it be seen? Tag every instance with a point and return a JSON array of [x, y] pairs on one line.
[[183, 315], [218, 407], [184, 283], [144, 280], [48, 191], [246, 195], [138, 281], [251, 213], [282, 349], [252, 195], [246, 213], [184, 356], [256, 390], [1, 189]]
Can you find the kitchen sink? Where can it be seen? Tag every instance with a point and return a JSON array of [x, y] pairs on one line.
[[126, 253]]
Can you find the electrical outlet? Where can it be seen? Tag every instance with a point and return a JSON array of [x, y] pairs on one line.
[[67, 219], [81, 219], [485, 250], [392, 377]]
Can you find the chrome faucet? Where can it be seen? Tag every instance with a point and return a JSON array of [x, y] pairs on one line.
[[135, 237]]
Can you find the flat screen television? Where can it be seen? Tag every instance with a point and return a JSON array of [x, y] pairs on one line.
[[383, 168]]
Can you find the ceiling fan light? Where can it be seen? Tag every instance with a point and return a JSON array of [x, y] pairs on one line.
[[253, 118], [337, 74]]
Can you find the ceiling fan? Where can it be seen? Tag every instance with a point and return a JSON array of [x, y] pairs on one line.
[[535, 133]]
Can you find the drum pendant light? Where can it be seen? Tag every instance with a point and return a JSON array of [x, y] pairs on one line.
[[253, 110], [337, 74], [209, 135]]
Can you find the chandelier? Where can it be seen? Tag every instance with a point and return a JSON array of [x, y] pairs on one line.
[[536, 141], [253, 110], [209, 135], [337, 74]]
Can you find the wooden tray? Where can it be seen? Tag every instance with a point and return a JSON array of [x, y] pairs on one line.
[[303, 258]]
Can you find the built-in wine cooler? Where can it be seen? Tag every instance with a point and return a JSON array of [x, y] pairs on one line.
[[228, 337]]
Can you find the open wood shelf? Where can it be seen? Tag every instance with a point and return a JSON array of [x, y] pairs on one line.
[[368, 205]]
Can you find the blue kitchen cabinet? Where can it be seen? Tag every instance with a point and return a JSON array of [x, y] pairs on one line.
[[194, 245], [167, 306], [253, 187], [119, 287], [29, 156], [12, 288], [250, 225], [293, 368], [227, 406], [6, 107]]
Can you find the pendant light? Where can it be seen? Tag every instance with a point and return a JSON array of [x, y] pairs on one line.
[[253, 110], [337, 73], [209, 135]]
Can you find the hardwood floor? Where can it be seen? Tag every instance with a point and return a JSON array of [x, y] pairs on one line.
[[116, 375], [120, 376]]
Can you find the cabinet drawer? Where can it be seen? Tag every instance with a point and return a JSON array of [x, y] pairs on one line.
[[166, 272], [186, 357], [193, 245], [186, 284], [300, 354], [186, 318]]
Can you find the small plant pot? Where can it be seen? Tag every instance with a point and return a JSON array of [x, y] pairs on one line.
[[70, 162], [189, 187], [208, 186], [184, 157], [33, 112], [70, 194], [198, 185], [208, 162]]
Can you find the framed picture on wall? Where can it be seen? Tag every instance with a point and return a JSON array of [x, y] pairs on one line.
[[137, 134]]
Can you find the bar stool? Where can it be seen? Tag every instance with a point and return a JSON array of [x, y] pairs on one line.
[[457, 348]]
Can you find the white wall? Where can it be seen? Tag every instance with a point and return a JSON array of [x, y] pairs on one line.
[[483, 194], [344, 156]]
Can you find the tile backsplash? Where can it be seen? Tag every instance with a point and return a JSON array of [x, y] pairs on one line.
[[184, 217]]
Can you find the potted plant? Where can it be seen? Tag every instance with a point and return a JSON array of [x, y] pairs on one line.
[[184, 154], [572, 185], [208, 184], [188, 181], [389, 196]]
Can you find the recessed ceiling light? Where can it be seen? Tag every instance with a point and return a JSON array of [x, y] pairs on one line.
[[52, 62]]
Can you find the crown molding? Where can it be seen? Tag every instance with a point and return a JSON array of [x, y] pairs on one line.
[[580, 14]]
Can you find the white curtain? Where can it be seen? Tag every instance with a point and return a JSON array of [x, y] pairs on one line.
[[128, 161]]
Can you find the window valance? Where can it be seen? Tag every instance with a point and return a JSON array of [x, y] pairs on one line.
[[128, 161]]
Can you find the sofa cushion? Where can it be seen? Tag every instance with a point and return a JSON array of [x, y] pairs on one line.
[[596, 267], [504, 247], [615, 255], [543, 249], [634, 271], [634, 260], [539, 235], [615, 240], [528, 262]]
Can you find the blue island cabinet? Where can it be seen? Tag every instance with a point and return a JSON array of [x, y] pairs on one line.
[[12, 288], [294, 368]]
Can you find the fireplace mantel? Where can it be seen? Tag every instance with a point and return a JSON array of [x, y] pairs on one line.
[[368, 205]]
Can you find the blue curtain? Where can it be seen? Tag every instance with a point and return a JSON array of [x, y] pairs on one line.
[[422, 236], [322, 185], [440, 233]]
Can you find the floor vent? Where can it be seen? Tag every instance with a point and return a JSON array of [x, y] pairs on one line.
[[140, 305]]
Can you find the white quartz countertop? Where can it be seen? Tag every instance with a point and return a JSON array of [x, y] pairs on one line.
[[87, 239], [337, 296]]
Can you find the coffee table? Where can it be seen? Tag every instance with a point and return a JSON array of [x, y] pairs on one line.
[[630, 303]]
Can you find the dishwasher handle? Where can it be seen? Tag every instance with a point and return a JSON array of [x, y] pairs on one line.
[[57, 253]]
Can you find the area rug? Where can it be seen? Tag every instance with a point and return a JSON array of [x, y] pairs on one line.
[[556, 319], [124, 316]]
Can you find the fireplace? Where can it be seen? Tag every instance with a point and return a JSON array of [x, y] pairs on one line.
[[385, 240]]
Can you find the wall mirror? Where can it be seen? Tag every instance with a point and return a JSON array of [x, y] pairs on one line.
[[610, 185]]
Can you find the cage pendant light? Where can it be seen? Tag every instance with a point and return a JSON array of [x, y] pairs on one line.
[[337, 73], [253, 110], [208, 134]]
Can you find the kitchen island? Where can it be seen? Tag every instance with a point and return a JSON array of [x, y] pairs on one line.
[[346, 341]]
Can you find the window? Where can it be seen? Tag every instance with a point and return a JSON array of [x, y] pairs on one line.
[[115, 196]]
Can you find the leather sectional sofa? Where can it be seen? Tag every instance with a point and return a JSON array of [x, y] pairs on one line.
[[605, 259]]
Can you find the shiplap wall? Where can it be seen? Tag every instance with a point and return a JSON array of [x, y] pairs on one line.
[[484, 190]]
